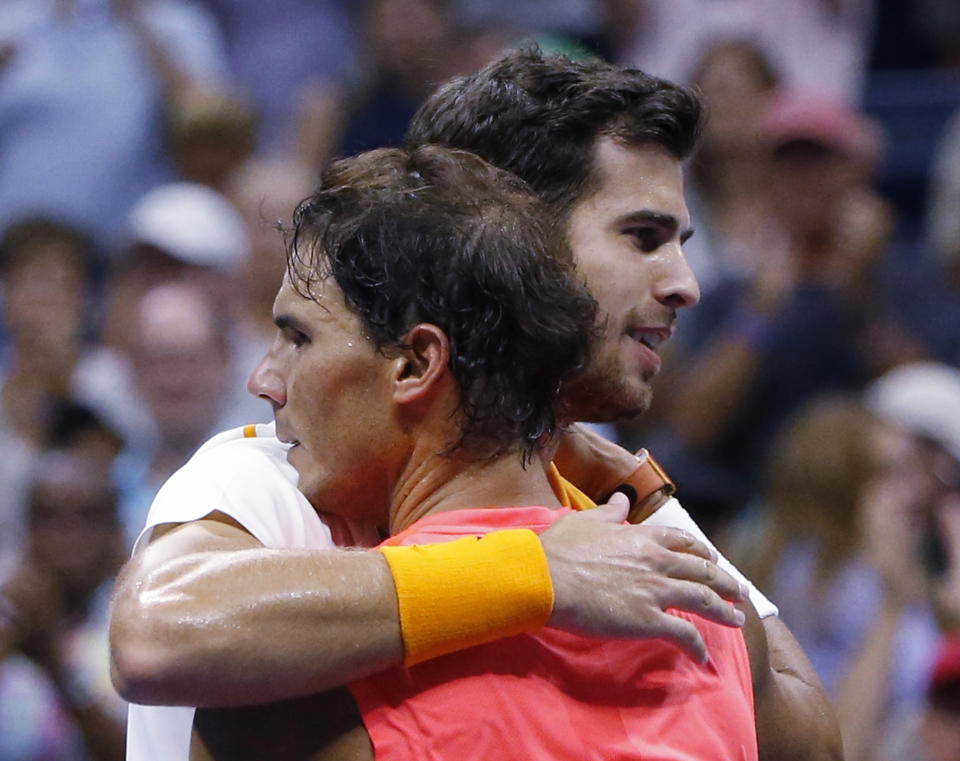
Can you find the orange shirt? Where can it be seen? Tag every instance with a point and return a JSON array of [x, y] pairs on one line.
[[554, 695]]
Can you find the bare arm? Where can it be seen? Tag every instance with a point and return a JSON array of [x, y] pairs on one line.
[[795, 719], [206, 616]]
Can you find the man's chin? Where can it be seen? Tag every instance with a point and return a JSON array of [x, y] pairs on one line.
[[606, 403], [309, 491]]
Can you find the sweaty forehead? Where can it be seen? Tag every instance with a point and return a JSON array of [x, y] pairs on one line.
[[324, 309], [635, 178], [293, 293]]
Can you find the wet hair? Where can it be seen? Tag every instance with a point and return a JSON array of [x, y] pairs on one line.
[[540, 116], [439, 236]]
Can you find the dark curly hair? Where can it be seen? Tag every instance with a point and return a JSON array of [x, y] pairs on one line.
[[440, 236], [539, 116]]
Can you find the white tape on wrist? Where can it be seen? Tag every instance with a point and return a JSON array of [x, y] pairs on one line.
[[673, 515]]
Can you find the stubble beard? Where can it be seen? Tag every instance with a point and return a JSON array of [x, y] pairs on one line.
[[606, 393]]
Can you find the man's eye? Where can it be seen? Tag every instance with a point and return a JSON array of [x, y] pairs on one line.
[[297, 338], [646, 238]]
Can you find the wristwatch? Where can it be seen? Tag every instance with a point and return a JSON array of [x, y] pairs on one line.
[[647, 488]]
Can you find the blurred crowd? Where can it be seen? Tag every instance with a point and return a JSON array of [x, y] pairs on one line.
[[809, 407]]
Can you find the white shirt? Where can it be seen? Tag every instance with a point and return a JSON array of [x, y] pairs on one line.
[[249, 479]]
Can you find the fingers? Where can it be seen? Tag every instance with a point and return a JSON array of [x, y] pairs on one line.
[[677, 539], [615, 511], [685, 635], [708, 573], [680, 540], [701, 600], [612, 579]]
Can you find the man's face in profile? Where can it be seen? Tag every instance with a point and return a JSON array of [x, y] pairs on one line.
[[627, 237], [328, 387]]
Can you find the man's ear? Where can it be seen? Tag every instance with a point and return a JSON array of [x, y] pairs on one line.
[[422, 365]]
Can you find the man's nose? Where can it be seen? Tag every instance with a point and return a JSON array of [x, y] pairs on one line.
[[265, 382], [677, 286]]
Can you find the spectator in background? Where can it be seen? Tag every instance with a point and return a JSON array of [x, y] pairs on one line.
[[84, 85], [411, 45], [807, 316], [56, 700], [297, 60], [838, 540], [727, 184], [180, 232], [924, 398], [209, 134], [934, 734], [818, 45], [46, 269], [180, 358], [859, 539], [264, 191]]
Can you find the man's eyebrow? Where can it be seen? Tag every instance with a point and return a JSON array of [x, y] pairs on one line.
[[659, 218], [288, 322]]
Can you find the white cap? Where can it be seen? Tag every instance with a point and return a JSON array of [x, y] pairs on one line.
[[192, 223], [924, 398]]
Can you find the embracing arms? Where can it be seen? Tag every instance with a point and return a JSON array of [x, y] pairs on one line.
[[205, 615]]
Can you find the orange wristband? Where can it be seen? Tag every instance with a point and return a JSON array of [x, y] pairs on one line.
[[470, 591]]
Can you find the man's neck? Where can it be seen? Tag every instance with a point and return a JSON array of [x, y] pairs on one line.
[[437, 483]]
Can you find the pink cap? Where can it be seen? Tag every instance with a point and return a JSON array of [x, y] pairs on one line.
[[821, 119]]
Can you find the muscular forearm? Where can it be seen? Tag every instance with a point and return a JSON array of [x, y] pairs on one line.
[[232, 627], [795, 720], [205, 616]]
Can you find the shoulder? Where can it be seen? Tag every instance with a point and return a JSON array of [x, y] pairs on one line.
[[249, 455], [248, 478]]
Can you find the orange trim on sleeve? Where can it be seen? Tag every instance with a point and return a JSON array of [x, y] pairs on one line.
[[250, 431]]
